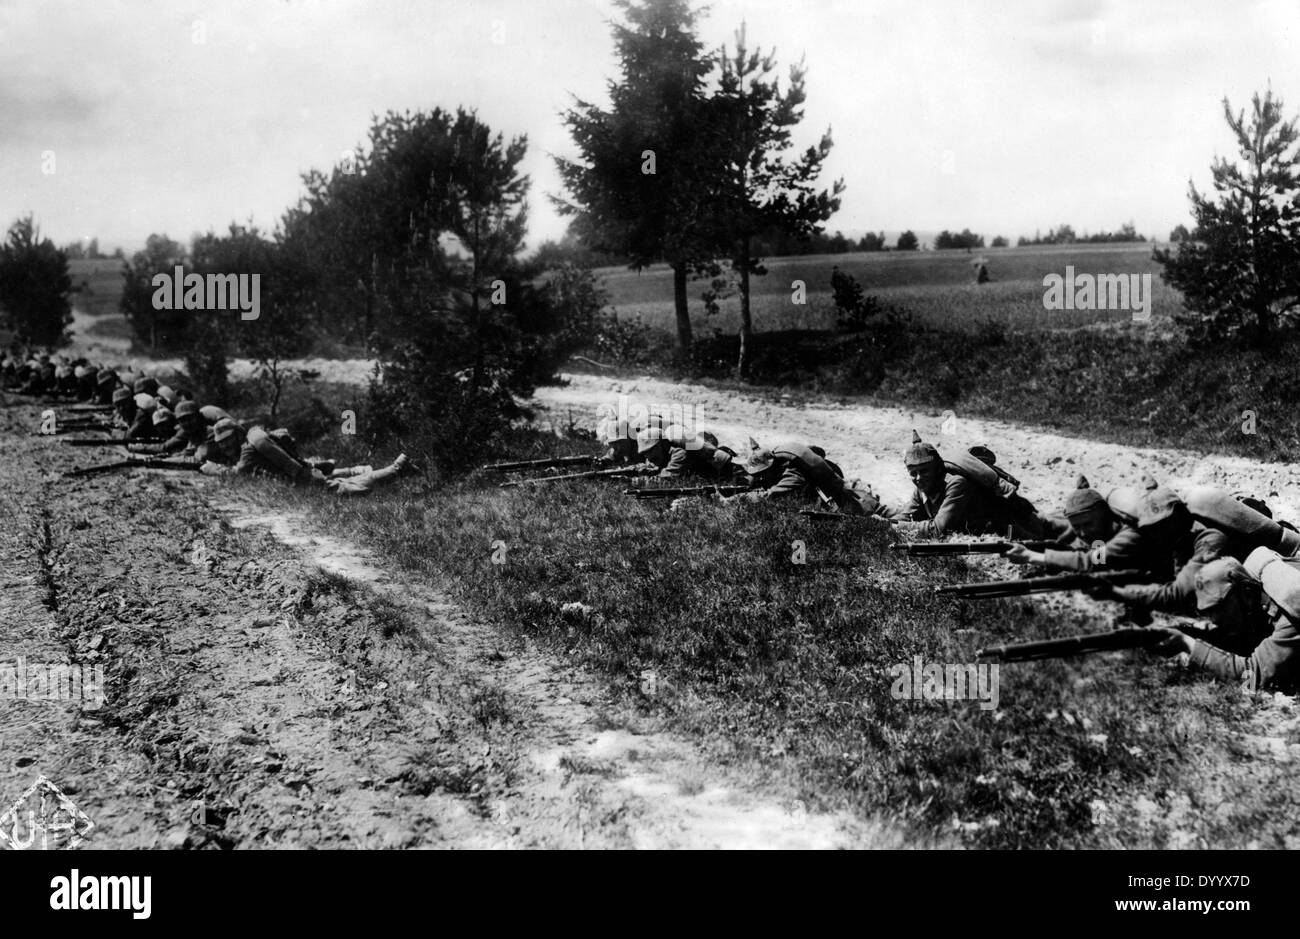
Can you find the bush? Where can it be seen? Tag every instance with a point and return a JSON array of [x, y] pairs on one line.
[[855, 308]]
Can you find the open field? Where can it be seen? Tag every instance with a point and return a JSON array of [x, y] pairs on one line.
[[99, 285], [936, 287]]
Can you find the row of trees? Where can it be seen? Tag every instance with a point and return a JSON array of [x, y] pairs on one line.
[[89, 251], [1064, 235]]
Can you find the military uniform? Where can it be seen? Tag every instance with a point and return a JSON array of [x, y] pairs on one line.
[[1122, 546], [968, 496], [677, 454], [1210, 525], [800, 473], [276, 453], [190, 431], [1268, 601], [124, 409]]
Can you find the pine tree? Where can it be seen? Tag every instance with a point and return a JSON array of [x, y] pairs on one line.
[[1239, 273], [638, 184]]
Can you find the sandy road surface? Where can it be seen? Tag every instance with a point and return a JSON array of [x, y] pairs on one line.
[[868, 441], [252, 702]]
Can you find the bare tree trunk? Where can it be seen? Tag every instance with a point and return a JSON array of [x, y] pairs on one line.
[[684, 337], [746, 323]]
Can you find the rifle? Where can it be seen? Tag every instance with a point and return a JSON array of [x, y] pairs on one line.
[[1074, 645], [590, 474], [90, 407], [142, 463], [665, 492], [98, 442], [929, 549], [1051, 584], [540, 464]]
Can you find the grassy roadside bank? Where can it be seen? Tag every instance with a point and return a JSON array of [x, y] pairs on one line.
[[1123, 384]]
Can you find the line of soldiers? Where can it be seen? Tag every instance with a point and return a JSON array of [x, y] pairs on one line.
[[1210, 555], [158, 420]]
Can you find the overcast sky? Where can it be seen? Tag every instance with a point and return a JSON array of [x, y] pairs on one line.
[[1004, 117]]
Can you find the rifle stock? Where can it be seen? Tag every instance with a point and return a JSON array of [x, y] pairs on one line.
[[928, 549], [1053, 584], [1135, 638], [143, 464]]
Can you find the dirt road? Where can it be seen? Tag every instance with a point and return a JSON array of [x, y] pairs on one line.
[[868, 442]]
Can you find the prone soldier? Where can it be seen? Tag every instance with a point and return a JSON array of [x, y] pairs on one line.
[[794, 470], [675, 455], [967, 495], [275, 453], [1258, 602], [1208, 525], [1107, 537], [191, 430]]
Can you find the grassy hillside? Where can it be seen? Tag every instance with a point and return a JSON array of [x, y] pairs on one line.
[[99, 286]]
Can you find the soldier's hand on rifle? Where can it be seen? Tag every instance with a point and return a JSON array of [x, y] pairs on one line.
[[211, 469], [1102, 591], [1173, 643], [1019, 554]]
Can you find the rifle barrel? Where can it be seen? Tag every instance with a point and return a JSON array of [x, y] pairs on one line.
[[590, 474], [540, 464], [1134, 638], [142, 464], [671, 492], [1027, 585], [926, 549], [96, 441]]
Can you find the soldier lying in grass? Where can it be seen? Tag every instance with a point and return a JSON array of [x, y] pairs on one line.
[[275, 453], [676, 453], [1255, 609], [796, 471]]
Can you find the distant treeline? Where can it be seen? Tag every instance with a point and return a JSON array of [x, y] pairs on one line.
[[571, 249], [1064, 235]]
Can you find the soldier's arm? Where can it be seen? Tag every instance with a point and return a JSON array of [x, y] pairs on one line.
[[791, 483], [1177, 596], [904, 511], [1275, 663], [176, 443], [1121, 552], [951, 514], [676, 466]]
